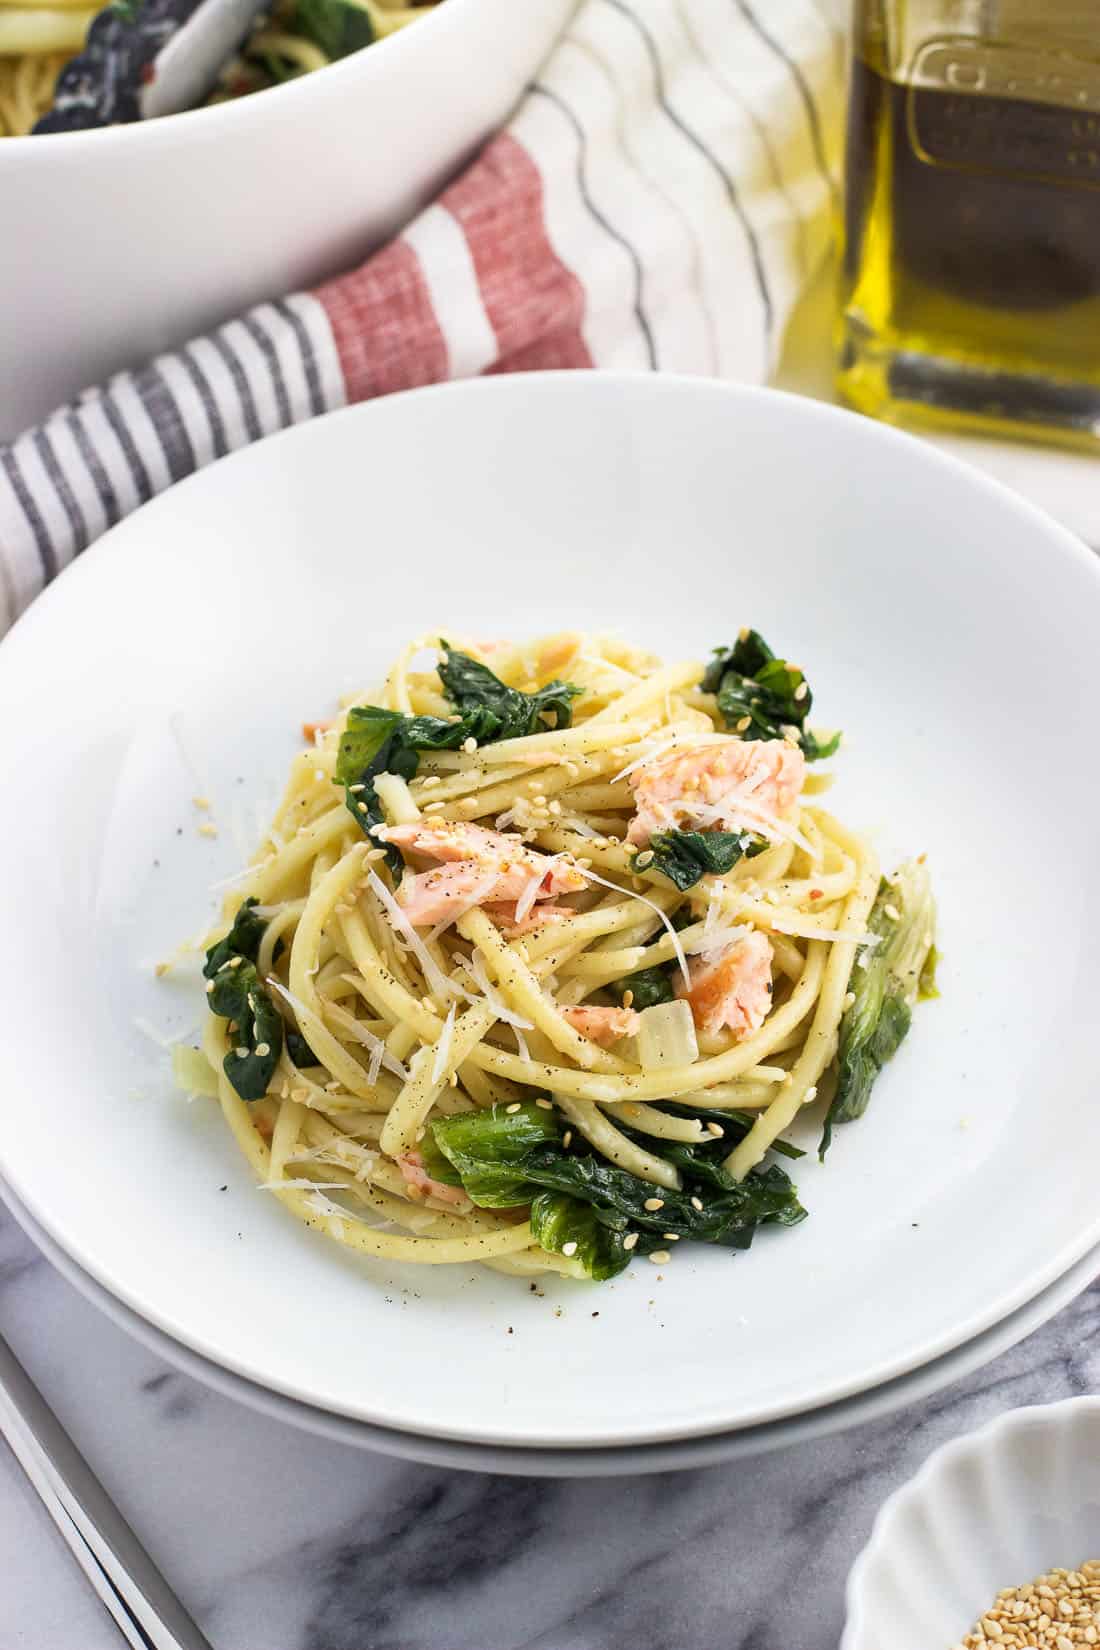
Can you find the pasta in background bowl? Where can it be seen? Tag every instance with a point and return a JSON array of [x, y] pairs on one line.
[[290, 577]]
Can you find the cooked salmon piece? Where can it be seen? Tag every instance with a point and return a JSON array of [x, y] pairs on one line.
[[310, 730], [733, 989], [539, 916], [421, 1184], [479, 867], [740, 784], [602, 1025]]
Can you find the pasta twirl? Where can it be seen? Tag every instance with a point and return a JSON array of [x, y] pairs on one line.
[[546, 947]]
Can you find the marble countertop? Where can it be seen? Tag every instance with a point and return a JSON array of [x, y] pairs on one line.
[[276, 1540]]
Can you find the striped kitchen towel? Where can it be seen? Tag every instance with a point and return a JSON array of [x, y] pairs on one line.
[[658, 201]]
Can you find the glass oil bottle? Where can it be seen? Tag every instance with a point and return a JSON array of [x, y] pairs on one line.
[[970, 286]]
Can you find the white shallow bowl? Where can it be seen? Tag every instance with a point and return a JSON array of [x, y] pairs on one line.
[[996, 1509], [255, 592], [128, 240], [624, 1460]]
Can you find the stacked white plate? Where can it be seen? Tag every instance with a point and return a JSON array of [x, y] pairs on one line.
[[946, 626]]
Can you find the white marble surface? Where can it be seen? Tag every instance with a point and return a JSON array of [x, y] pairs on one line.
[[278, 1541]]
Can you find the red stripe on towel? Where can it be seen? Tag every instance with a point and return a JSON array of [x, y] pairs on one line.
[[386, 333], [526, 289], [560, 349]]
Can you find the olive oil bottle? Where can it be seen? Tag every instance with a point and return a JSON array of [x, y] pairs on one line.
[[970, 284]]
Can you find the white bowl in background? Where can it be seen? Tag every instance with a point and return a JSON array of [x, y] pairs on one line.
[[995, 1509], [128, 240]]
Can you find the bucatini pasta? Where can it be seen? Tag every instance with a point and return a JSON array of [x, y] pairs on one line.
[[546, 947]]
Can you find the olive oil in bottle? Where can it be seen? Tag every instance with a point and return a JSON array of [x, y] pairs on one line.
[[971, 271]]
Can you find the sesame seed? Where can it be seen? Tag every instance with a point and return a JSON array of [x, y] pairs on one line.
[[569, 1248], [660, 1257], [555, 807], [514, 1107], [892, 912], [434, 808], [671, 1237], [1056, 1612], [697, 1203], [801, 691], [743, 723], [849, 999], [630, 1240], [234, 962], [241, 1053], [652, 1203], [262, 1049], [209, 987], [811, 1094], [628, 999], [362, 806], [431, 782], [208, 828], [469, 746], [355, 789], [716, 1130], [567, 1138]]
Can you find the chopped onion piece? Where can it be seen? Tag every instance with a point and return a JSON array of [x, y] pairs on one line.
[[666, 1037]]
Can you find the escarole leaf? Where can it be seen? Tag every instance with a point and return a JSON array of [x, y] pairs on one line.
[[565, 1226], [489, 1149], [235, 994], [507, 1158], [242, 940], [339, 27], [763, 697], [886, 980], [649, 986], [686, 856], [472, 687], [376, 741]]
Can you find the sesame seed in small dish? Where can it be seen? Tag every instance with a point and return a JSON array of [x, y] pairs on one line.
[[995, 1541]]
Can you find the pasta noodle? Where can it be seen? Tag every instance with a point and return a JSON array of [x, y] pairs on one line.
[[498, 932]]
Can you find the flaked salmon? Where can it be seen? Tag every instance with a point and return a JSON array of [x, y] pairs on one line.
[[421, 1184], [739, 784], [732, 990], [477, 867], [602, 1025]]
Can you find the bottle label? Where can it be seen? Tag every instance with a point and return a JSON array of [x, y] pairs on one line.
[[979, 107]]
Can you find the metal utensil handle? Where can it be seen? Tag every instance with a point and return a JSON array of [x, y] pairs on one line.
[[54, 1464]]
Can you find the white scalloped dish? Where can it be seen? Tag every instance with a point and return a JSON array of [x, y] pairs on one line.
[[996, 1509]]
